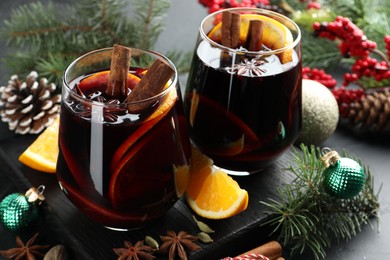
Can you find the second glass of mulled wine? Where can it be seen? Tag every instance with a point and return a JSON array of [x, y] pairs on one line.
[[243, 96]]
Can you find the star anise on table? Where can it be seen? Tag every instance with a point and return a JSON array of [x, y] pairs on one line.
[[26, 251], [136, 252], [175, 244]]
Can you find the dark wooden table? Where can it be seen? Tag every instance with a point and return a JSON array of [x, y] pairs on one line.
[[61, 222]]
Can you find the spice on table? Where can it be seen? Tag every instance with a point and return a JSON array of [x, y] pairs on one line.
[[138, 251], [175, 244], [24, 251]]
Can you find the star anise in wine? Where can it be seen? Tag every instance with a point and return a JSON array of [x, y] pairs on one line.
[[175, 244], [250, 68], [136, 252], [26, 251]]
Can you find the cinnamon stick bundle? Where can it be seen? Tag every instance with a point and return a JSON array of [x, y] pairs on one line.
[[151, 84]]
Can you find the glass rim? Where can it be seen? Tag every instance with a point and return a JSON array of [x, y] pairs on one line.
[[172, 83], [255, 10]]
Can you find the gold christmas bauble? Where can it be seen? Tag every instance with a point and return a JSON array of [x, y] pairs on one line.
[[320, 113]]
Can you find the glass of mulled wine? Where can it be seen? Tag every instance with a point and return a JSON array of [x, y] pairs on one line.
[[123, 162], [243, 96]]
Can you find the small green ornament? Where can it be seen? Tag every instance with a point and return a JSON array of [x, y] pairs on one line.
[[17, 211], [343, 177]]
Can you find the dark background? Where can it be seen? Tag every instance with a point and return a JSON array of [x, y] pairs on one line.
[[63, 224]]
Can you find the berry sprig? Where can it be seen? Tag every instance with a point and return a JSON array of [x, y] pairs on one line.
[[353, 43], [320, 76]]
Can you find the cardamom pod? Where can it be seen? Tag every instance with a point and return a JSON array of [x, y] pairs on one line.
[[203, 226], [150, 241], [57, 252], [204, 237]]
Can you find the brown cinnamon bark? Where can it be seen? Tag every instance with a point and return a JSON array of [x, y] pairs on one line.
[[119, 70], [254, 36], [231, 29], [151, 84], [272, 250]]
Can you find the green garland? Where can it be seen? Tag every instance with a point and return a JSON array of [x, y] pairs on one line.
[[307, 218]]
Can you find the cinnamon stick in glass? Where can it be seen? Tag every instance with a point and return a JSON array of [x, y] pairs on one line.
[[151, 84], [254, 36], [119, 70]]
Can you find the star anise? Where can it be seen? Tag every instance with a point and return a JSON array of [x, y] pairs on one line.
[[250, 68], [26, 251], [175, 244], [136, 252]]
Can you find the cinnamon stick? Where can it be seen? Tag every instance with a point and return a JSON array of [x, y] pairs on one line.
[[119, 70], [231, 29], [254, 36], [151, 84], [272, 250]]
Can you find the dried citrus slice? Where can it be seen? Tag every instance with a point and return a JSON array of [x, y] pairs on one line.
[[96, 80], [42, 154], [153, 119], [211, 192], [275, 35]]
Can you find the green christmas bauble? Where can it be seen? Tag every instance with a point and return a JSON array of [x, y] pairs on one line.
[[344, 179], [18, 210]]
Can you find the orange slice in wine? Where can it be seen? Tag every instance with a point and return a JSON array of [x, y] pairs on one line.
[[144, 176], [153, 119], [182, 177], [97, 80], [241, 138], [275, 34]]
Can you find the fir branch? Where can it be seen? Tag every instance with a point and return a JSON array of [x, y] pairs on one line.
[[56, 34], [307, 218]]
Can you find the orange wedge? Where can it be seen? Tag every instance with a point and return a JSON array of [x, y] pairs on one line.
[[42, 154], [275, 35], [211, 192]]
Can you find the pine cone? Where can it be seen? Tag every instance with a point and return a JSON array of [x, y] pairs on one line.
[[372, 111], [29, 107]]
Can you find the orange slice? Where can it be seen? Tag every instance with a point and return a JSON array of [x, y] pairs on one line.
[[146, 173], [42, 154], [97, 80], [275, 35], [211, 192], [241, 138], [153, 119]]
